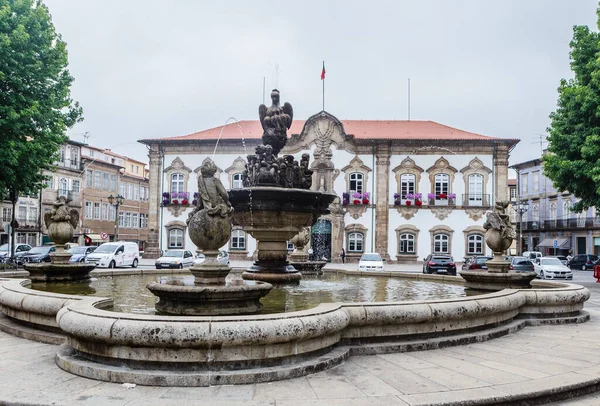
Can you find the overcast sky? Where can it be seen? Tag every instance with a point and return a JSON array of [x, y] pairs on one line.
[[159, 68]]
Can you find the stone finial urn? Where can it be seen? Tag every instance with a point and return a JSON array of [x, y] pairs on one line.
[[60, 222]]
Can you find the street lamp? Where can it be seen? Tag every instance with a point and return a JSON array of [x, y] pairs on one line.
[[116, 201], [521, 208]]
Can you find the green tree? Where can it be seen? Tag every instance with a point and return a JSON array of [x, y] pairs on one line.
[[573, 161], [35, 102]]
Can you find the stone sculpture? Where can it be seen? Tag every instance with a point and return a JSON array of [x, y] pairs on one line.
[[275, 122], [499, 231], [61, 221]]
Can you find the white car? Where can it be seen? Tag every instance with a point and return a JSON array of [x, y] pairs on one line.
[[370, 261], [552, 268], [175, 258], [222, 258]]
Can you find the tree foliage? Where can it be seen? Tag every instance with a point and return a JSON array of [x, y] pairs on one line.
[[35, 101]]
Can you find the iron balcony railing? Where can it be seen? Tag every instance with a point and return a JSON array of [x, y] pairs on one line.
[[563, 224], [475, 199]]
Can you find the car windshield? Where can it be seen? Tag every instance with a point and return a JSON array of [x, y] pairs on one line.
[[551, 261], [79, 250], [39, 250], [106, 249], [441, 259], [371, 257], [482, 260], [521, 261], [4, 248], [173, 254]]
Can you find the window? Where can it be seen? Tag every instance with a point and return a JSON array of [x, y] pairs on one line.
[[98, 180], [135, 222], [62, 153], [32, 214], [22, 215], [355, 242], [88, 210], [475, 190], [177, 183], [475, 244], [553, 211], [129, 191], [237, 182], [74, 155], [6, 213], [407, 244], [524, 183], [535, 213], [143, 220], [96, 211], [175, 238], [75, 187], [137, 169], [535, 184], [63, 187], [112, 212], [441, 182], [513, 194], [128, 219], [122, 189], [106, 180], [356, 182], [113, 182], [238, 240], [104, 211], [440, 244], [50, 182], [407, 184], [131, 167], [89, 178], [21, 238], [136, 192], [566, 209], [121, 218]]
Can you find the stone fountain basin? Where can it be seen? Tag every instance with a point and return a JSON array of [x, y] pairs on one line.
[[200, 350]]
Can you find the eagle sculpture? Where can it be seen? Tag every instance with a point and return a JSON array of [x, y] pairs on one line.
[[61, 213], [275, 121]]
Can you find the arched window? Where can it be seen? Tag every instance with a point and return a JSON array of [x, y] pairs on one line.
[[238, 240], [355, 242], [535, 213], [553, 211], [237, 182], [175, 238], [566, 209], [177, 184], [476, 189], [407, 184], [475, 244], [581, 218], [440, 244], [407, 244], [356, 182], [75, 187], [441, 183], [63, 187]]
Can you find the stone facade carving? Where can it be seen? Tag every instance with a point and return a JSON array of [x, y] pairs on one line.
[[475, 214], [441, 212], [407, 212], [356, 210]]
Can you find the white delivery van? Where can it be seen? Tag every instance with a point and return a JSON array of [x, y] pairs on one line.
[[114, 254]]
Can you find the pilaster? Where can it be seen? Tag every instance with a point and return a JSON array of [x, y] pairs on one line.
[[382, 192], [152, 250]]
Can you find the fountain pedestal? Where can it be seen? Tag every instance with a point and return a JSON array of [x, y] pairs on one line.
[[497, 276]]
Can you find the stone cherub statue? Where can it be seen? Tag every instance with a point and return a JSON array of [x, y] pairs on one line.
[[61, 221], [499, 231], [275, 121], [212, 195]]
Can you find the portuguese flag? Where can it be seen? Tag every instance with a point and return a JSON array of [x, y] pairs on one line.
[[323, 72]]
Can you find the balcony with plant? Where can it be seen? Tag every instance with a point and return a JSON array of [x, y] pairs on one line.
[[355, 198], [441, 199], [176, 198]]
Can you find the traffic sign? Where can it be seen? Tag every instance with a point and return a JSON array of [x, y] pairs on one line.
[[104, 236], [555, 243]]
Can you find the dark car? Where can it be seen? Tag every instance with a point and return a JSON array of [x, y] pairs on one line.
[[38, 254], [585, 262], [439, 263], [20, 250], [521, 264], [78, 254], [478, 262]]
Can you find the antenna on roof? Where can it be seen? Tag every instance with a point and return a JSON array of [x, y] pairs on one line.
[[86, 136], [408, 99]]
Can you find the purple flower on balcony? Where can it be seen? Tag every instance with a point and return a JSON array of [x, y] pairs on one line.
[[418, 196], [396, 196], [195, 195], [183, 195], [431, 196], [357, 195], [345, 198], [165, 195], [174, 195], [451, 196], [410, 196]]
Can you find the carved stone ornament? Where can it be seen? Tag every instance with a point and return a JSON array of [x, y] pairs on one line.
[[176, 209], [407, 212], [475, 214], [356, 210], [442, 212]]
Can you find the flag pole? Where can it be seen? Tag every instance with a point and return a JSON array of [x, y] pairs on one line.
[[323, 77]]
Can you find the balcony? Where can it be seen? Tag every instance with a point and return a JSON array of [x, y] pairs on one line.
[[577, 223], [474, 200], [27, 224], [50, 196]]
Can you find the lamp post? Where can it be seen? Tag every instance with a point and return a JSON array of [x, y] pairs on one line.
[[521, 208], [116, 201]]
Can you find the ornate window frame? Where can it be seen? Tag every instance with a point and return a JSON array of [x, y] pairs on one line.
[[356, 165], [441, 229], [355, 228], [177, 166], [238, 230], [474, 230], [476, 167], [407, 167], [238, 166], [441, 166], [175, 225], [407, 229]]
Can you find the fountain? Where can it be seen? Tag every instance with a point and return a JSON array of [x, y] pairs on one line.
[[499, 236], [276, 202], [60, 222], [209, 227], [299, 259]]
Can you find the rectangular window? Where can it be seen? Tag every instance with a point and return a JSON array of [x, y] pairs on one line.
[[98, 180], [134, 220], [407, 185], [136, 191], [238, 240], [129, 192], [31, 239], [113, 183], [122, 189], [105, 181], [441, 184], [6, 213], [89, 178], [21, 238], [88, 210], [535, 184], [74, 156], [32, 214], [121, 218], [104, 211], [524, 183], [513, 194], [112, 212], [22, 214], [128, 219], [50, 182], [142, 193], [356, 183], [96, 211]]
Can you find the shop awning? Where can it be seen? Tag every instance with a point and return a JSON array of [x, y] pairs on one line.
[[549, 243], [95, 237]]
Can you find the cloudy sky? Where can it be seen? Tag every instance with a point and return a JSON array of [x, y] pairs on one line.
[[159, 68]]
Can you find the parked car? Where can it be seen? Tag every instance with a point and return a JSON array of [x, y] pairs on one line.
[[532, 255], [222, 258], [113, 254], [552, 268], [478, 262], [563, 260], [585, 262], [439, 263], [79, 254], [20, 249], [175, 258], [37, 254], [521, 264], [370, 261]]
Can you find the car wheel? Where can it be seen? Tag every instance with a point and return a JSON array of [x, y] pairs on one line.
[[82, 260], [112, 264], [583, 268], [135, 263]]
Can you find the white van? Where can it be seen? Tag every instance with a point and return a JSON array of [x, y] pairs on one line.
[[533, 255], [114, 254]]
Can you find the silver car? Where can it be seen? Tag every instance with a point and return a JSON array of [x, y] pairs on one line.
[[175, 258]]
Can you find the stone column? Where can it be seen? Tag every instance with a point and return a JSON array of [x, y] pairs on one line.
[[336, 217], [382, 186], [152, 249], [501, 191]]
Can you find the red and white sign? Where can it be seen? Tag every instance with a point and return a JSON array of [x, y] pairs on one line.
[[104, 236]]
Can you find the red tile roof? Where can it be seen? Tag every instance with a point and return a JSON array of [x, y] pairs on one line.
[[360, 129]]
